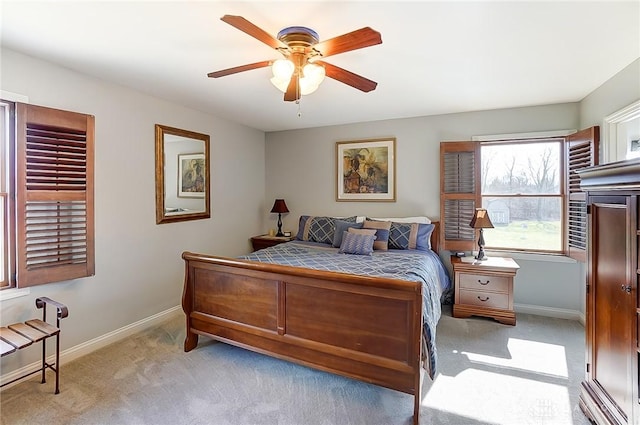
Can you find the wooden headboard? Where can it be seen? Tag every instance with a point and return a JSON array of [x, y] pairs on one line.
[[435, 237]]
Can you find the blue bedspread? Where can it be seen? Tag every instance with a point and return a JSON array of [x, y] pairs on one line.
[[411, 265]]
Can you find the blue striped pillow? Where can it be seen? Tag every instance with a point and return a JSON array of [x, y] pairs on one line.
[[318, 229], [353, 243]]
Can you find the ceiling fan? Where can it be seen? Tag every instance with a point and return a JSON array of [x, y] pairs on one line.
[[302, 69]]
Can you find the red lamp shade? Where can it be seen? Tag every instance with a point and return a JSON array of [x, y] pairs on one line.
[[279, 206]]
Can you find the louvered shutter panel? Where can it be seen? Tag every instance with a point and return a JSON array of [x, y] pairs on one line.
[[459, 193], [54, 195], [581, 151]]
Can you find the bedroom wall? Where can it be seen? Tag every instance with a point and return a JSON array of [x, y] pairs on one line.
[[139, 272], [300, 167], [621, 90]]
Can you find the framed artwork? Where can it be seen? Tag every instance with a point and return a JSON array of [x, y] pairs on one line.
[[366, 170], [191, 175]]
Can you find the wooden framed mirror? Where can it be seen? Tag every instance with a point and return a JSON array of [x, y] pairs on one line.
[[182, 175]]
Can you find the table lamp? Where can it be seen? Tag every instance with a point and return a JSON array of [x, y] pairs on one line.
[[481, 221], [280, 207]]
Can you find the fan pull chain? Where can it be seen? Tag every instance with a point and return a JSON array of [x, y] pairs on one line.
[[299, 111]]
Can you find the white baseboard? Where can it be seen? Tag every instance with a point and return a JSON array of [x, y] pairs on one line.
[[96, 343], [559, 313]]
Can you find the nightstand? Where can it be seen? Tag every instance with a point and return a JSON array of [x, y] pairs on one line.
[[485, 288], [265, 241]]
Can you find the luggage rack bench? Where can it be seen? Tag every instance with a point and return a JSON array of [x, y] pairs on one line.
[[20, 335]]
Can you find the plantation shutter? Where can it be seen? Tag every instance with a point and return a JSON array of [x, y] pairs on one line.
[[459, 193], [54, 195], [581, 151]]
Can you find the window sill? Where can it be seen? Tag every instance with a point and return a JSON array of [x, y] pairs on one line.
[[7, 294], [527, 256]]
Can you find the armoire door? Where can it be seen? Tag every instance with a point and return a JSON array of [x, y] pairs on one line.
[[613, 307]]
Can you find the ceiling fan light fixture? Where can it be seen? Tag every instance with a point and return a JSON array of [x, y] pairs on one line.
[[282, 72], [312, 76], [306, 88], [282, 69], [314, 73], [280, 84]]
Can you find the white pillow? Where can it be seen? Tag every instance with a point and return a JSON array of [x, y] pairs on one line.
[[420, 219]]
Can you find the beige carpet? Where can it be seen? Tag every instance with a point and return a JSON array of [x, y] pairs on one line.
[[488, 374]]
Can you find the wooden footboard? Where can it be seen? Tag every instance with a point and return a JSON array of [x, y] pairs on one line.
[[355, 326]]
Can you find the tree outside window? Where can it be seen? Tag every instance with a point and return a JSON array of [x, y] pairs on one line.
[[522, 191]]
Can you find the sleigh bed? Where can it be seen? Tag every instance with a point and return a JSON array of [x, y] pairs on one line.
[[376, 326]]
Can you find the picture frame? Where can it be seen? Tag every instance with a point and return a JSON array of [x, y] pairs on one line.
[[366, 170], [191, 175]]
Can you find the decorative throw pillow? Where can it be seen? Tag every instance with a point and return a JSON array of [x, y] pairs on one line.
[[353, 243], [362, 231], [382, 233], [410, 236], [318, 229], [341, 226]]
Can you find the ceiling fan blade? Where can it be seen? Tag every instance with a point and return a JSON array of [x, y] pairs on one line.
[[258, 33], [364, 37], [293, 91], [348, 77], [237, 69]]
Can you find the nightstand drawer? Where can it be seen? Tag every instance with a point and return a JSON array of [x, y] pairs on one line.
[[484, 282], [484, 299]]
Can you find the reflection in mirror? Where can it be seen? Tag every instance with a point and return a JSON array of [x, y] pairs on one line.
[[182, 175]]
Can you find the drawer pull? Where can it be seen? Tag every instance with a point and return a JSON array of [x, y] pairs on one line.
[[483, 283], [483, 299]]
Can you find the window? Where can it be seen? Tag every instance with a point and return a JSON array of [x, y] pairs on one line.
[[6, 271], [529, 187], [522, 192], [48, 223]]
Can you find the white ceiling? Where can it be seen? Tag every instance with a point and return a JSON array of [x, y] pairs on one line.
[[436, 57]]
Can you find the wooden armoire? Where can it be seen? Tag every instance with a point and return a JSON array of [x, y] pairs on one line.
[[610, 394]]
